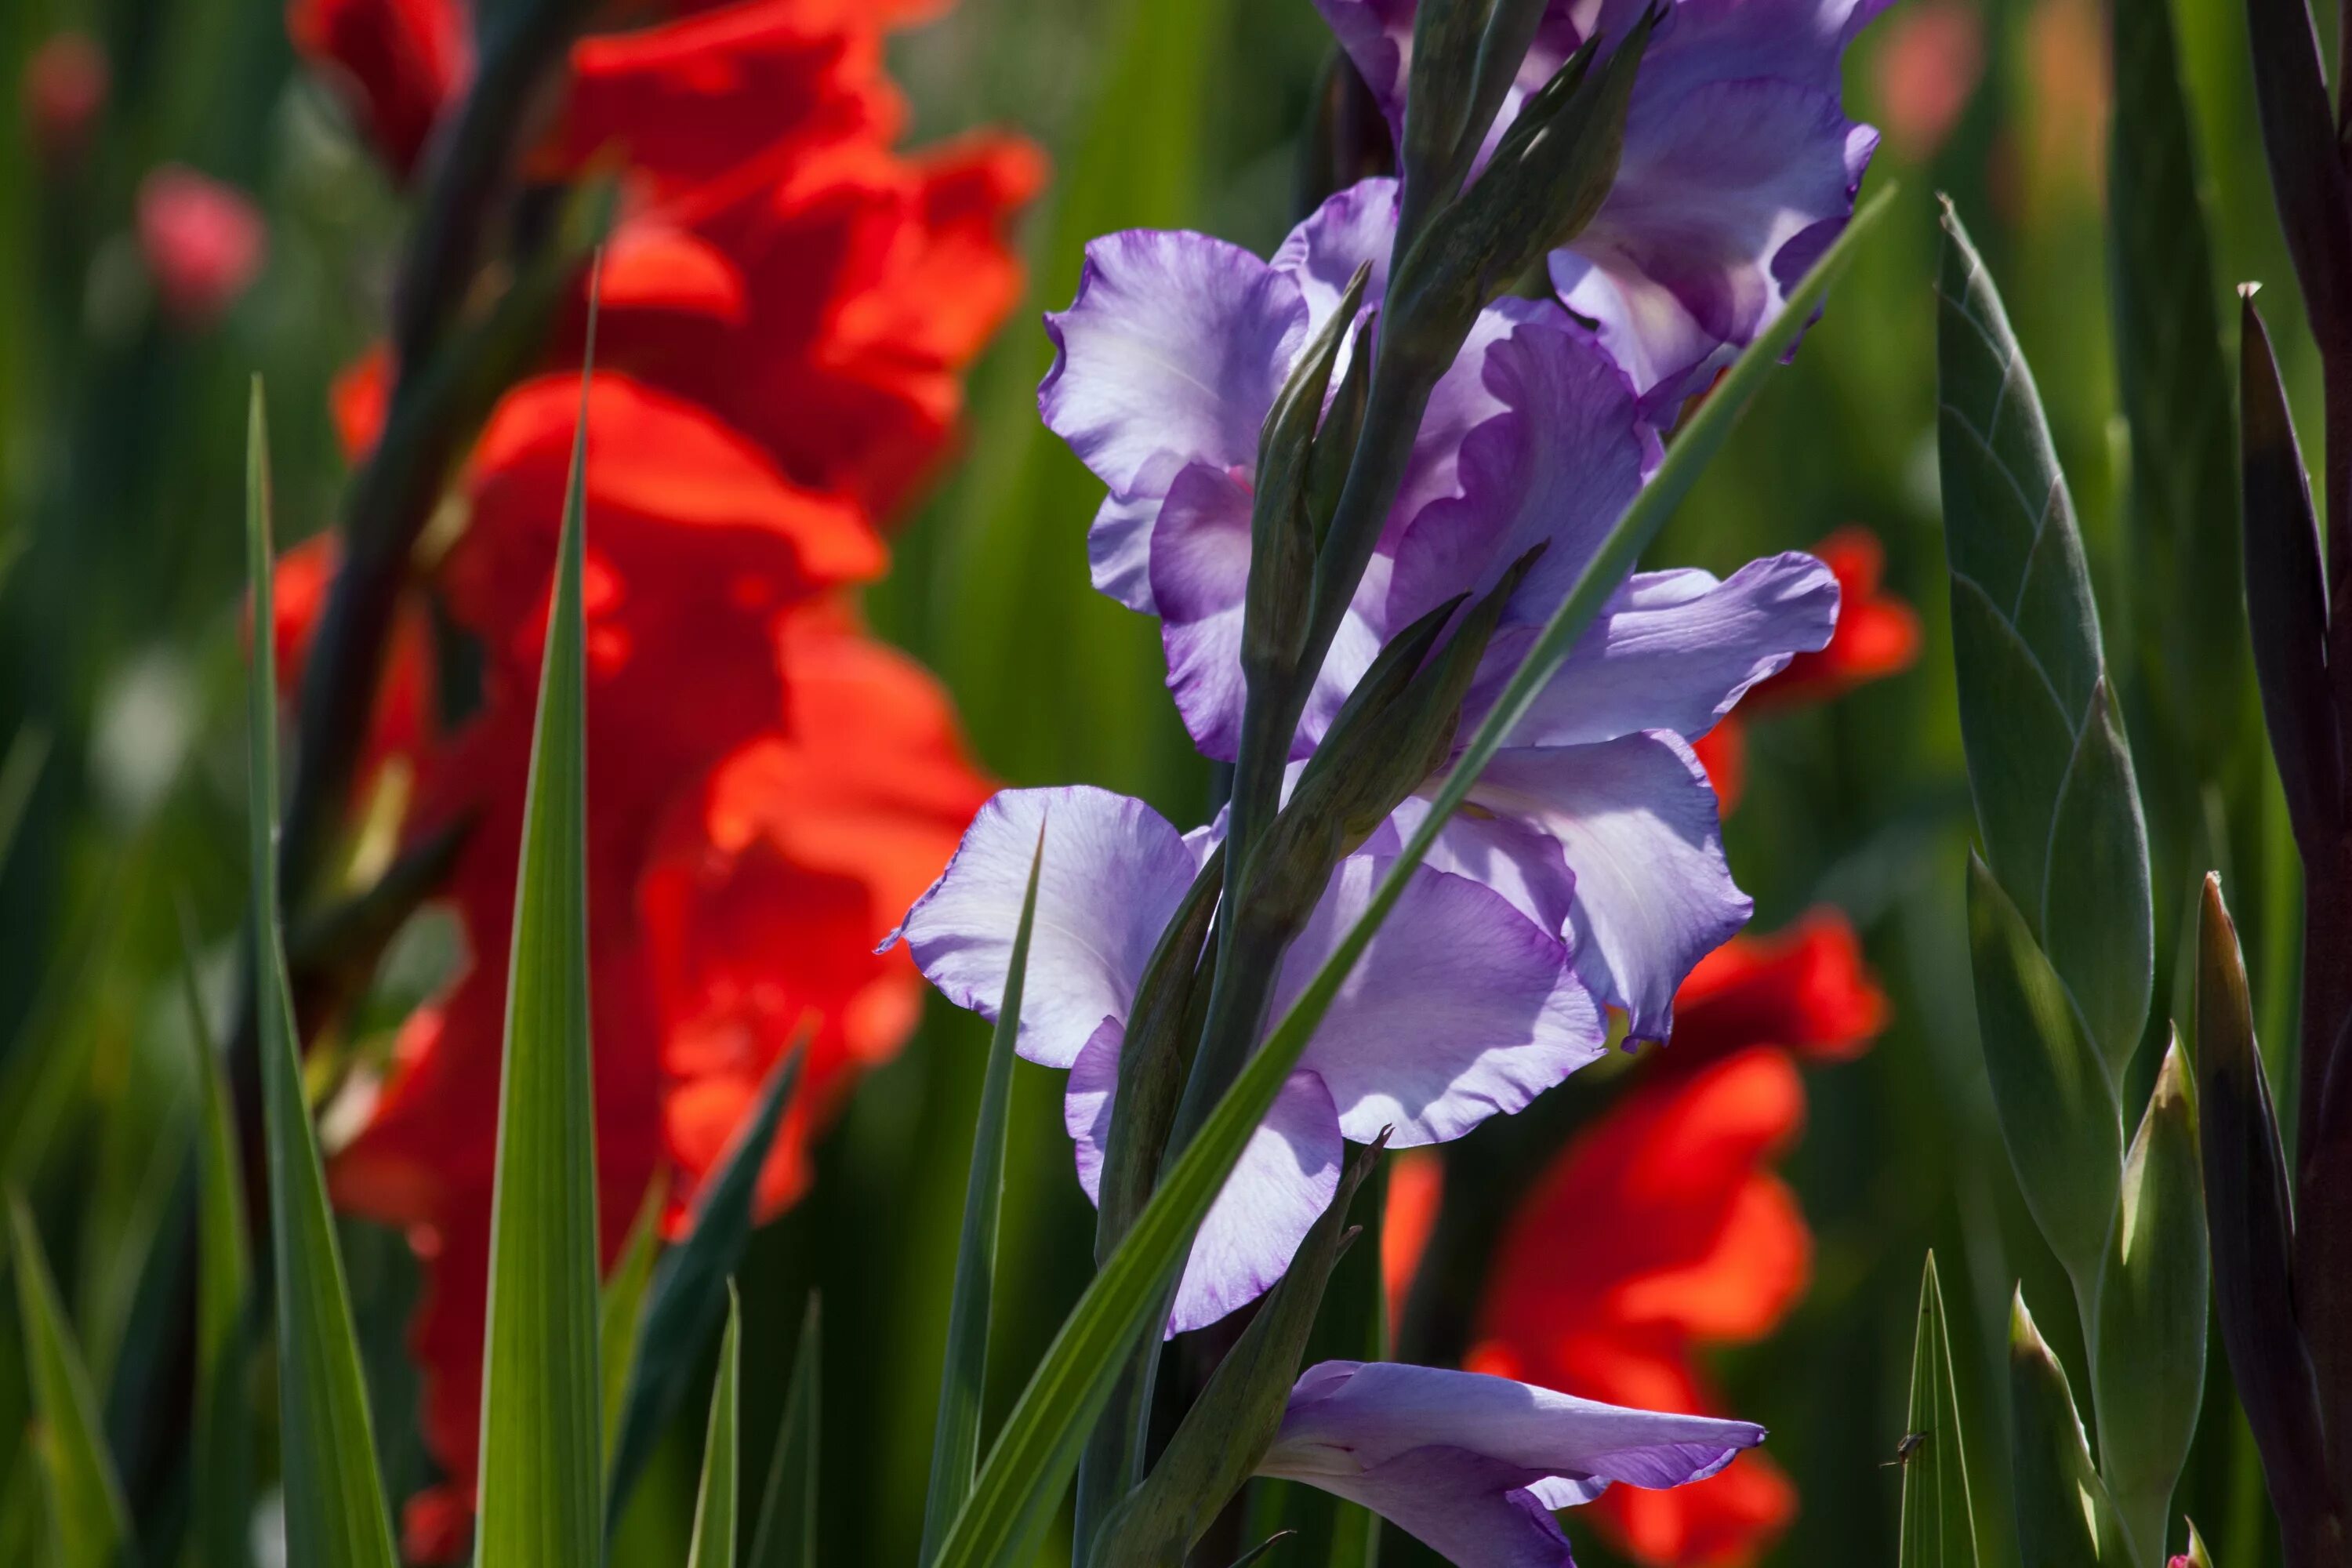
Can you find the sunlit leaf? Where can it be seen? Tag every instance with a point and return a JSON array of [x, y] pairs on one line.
[[2064, 1517], [1938, 1528], [715, 1503], [622, 1304], [87, 1521]]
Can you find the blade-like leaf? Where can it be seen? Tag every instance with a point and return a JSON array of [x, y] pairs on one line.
[[2064, 1520], [1938, 1530], [220, 1495], [787, 1534], [2057, 1111], [335, 1515], [2174, 388], [2286, 593], [2149, 1370], [2047, 763], [542, 1452], [1262, 1547], [1034, 1455], [87, 1521], [714, 1505], [28, 750], [689, 1289], [622, 1304], [955, 1438], [2197, 1554], [2249, 1223], [2307, 174]]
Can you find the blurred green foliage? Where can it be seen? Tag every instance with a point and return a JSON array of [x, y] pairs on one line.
[[120, 627]]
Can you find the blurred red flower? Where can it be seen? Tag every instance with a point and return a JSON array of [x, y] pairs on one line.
[[787, 305], [64, 91], [1930, 57], [393, 62], [203, 242]]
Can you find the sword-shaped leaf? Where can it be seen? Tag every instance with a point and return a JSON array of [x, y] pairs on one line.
[[1938, 1530], [2047, 763], [335, 1515], [714, 1504], [622, 1304], [2063, 1519], [787, 1534], [89, 1524], [963, 1375], [222, 1456]]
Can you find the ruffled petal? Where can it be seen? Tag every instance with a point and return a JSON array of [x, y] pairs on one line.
[[1520, 861], [1461, 1007], [1175, 345], [1114, 872], [1674, 650], [1200, 577], [1352, 228], [1470, 1510], [1636, 822]]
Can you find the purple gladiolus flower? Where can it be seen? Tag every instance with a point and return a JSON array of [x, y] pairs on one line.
[[1739, 166], [1597, 822], [1461, 1008], [1473, 1465]]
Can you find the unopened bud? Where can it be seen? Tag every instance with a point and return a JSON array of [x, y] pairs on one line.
[[64, 91]]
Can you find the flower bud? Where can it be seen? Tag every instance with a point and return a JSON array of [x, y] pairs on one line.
[[203, 242], [2063, 1518], [64, 90]]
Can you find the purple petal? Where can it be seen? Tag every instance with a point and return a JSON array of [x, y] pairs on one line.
[[1461, 1008], [1558, 463], [1674, 650], [1470, 1510], [1518, 860], [1354, 1417], [1114, 872], [1200, 577], [1635, 819], [1350, 228], [1175, 345], [1286, 1178]]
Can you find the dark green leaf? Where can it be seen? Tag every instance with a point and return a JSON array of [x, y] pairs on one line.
[[2064, 1520], [87, 1521], [622, 1306], [2149, 1372], [963, 1375], [2047, 765], [690, 1290], [1262, 1547], [1938, 1528], [222, 1456], [28, 750], [714, 1506], [2307, 174], [2058, 1114], [1030, 1464], [335, 1515], [787, 1534], [542, 1472]]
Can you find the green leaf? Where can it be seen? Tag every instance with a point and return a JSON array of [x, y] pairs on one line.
[[2197, 1554], [87, 1521], [1034, 1453], [787, 1534], [2047, 763], [1262, 1547], [714, 1505], [963, 1376], [20, 771], [2057, 1111], [2063, 1519], [622, 1303], [2148, 1374], [335, 1515], [221, 1456], [689, 1289], [1938, 1528], [2175, 389], [542, 1474]]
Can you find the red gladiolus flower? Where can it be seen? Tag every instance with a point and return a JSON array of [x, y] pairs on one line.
[[1877, 634], [1805, 989], [393, 62], [203, 241], [1929, 60], [64, 91]]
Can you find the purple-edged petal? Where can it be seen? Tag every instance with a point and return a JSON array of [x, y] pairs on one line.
[[1674, 651], [1636, 821], [1558, 463], [1352, 228], [1466, 1462], [1461, 1008], [1114, 872], [1286, 1179], [1200, 578], [1526, 865]]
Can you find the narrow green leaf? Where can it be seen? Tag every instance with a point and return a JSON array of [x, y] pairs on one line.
[[2057, 1111], [622, 1303], [1262, 1547], [542, 1452], [1938, 1528], [222, 1494], [1034, 1455], [335, 1515], [689, 1288], [2148, 1374], [2197, 1554], [2063, 1518], [2052, 777], [20, 771], [87, 1521], [955, 1438], [2175, 390], [714, 1505], [787, 1534]]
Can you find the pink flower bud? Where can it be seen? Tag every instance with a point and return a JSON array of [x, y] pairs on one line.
[[64, 91], [204, 243]]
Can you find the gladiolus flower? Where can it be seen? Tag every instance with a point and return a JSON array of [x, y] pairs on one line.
[[1877, 634], [393, 62], [1805, 989], [203, 241], [64, 91], [1928, 63], [1472, 1465]]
